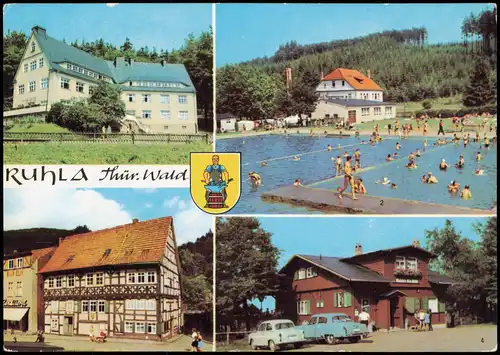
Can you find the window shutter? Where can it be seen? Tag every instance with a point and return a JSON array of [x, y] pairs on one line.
[[425, 303], [106, 306], [410, 304], [441, 307], [417, 304], [77, 306], [122, 327], [336, 299], [347, 299], [298, 307], [296, 275], [308, 307]]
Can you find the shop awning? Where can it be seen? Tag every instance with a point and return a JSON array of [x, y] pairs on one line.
[[15, 314]]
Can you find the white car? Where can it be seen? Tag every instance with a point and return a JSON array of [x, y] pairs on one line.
[[276, 333]]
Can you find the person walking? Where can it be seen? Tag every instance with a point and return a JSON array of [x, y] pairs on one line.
[[429, 312], [364, 317], [199, 342], [348, 179], [194, 337], [441, 128]]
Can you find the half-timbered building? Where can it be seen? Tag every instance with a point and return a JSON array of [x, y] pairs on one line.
[[123, 280]]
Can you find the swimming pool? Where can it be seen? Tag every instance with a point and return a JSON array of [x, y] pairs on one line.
[[316, 169]]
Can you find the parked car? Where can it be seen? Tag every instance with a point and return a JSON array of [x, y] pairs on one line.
[[276, 333], [332, 327]]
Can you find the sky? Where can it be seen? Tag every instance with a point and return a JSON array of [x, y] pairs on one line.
[[248, 31], [338, 236], [164, 26], [103, 208]]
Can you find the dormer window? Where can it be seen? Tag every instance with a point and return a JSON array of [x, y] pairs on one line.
[[33, 46], [19, 262], [333, 83]]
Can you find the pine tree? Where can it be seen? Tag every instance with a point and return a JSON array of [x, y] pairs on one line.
[[479, 92]]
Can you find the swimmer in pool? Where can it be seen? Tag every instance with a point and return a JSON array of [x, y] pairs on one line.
[[296, 158], [254, 178], [486, 142], [389, 158], [479, 172], [424, 179], [338, 147], [425, 144], [466, 194], [455, 139], [411, 157], [263, 163], [297, 183], [417, 153], [384, 181], [363, 142], [466, 141], [357, 158], [453, 187], [394, 186], [345, 155], [411, 165], [398, 146], [443, 165], [478, 156], [395, 155], [359, 187], [329, 148], [461, 162], [431, 179]]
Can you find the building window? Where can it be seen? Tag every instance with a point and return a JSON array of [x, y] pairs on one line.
[[146, 98], [129, 304], [129, 327], [33, 65], [59, 281], [44, 83], [33, 46], [99, 279], [400, 262], [10, 290], [54, 306], [140, 327], [320, 304], [183, 115], [26, 67], [365, 111], [140, 305], [62, 306], [388, 111], [303, 308], [40, 63], [75, 68], [302, 274], [131, 278], [79, 86], [131, 97], [85, 72], [85, 306], [147, 114], [71, 280], [182, 99], [342, 299], [151, 277], [19, 289], [70, 306], [433, 305], [90, 279], [21, 89], [93, 306], [19, 262], [54, 324], [51, 282], [151, 328], [32, 86], [64, 83], [141, 277], [311, 272], [165, 114], [150, 305], [43, 102], [164, 99], [343, 83], [377, 111], [411, 263], [100, 305]]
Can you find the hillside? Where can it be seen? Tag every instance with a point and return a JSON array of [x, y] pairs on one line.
[[36, 238]]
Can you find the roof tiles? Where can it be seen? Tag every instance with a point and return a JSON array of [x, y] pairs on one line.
[[355, 78], [139, 242]]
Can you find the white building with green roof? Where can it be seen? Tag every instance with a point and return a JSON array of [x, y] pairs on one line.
[[159, 97]]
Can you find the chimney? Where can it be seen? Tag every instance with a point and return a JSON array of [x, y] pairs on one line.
[[416, 243], [119, 62], [135, 220], [39, 30], [358, 250], [319, 256], [369, 74]]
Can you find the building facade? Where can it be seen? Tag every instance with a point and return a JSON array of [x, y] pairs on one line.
[[23, 290], [159, 97], [123, 280], [390, 284], [353, 111], [349, 84]]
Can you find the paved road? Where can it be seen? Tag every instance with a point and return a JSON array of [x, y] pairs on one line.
[[460, 339], [79, 343]]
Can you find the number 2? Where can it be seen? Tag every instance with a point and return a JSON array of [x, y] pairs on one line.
[[381, 202]]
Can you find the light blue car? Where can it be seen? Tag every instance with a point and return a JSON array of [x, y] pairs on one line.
[[331, 327]]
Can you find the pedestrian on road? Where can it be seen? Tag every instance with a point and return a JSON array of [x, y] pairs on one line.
[[199, 342], [441, 128], [194, 343], [429, 312], [364, 317]]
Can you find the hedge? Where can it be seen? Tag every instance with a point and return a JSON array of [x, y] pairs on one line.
[[446, 113]]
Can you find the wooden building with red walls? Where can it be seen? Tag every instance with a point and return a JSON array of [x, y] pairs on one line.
[[390, 284]]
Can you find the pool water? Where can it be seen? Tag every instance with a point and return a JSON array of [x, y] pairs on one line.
[[315, 169]]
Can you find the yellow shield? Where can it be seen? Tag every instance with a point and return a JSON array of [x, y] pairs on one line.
[[215, 180]]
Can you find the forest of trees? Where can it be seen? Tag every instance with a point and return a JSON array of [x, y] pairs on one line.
[[196, 55], [399, 61]]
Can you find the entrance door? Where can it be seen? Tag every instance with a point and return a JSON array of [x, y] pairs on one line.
[[395, 313], [68, 326], [351, 116]]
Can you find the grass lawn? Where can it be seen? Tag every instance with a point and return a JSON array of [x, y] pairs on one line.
[[89, 153], [442, 103], [38, 128]]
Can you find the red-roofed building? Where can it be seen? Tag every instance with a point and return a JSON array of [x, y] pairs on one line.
[[23, 307], [349, 84], [123, 280], [391, 285]]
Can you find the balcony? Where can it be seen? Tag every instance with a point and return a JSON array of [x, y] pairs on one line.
[[407, 273]]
